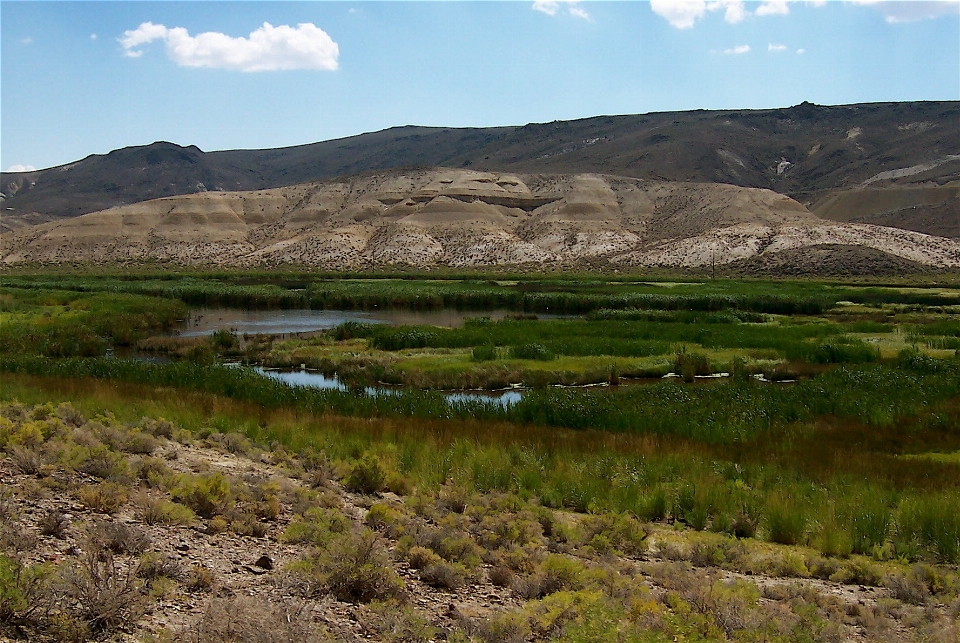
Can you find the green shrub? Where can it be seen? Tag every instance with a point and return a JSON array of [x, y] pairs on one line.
[[443, 575], [532, 351], [484, 353], [106, 497], [22, 590], [157, 511], [367, 475], [318, 525], [356, 569], [206, 495], [785, 520]]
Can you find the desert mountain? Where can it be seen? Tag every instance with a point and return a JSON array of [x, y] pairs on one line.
[[463, 218], [894, 164]]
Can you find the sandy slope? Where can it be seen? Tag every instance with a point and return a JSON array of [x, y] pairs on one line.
[[461, 218]]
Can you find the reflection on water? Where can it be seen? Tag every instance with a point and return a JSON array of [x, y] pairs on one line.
[[205, 321], [321, 381]]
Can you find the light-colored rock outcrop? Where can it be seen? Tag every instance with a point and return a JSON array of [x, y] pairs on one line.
[[460, 218]]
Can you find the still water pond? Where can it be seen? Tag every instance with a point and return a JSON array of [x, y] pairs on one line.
[[319, 380], [206, 321]]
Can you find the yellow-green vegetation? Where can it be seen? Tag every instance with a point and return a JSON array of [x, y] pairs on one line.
[[574, 576], [605, 513]]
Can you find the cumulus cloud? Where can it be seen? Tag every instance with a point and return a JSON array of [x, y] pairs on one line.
[[801, 51], [734, 11], [268, 48], [551, 7], [21, 168], [682, 14], [897, 11], [776, 47], [93, 36], [736, 51], [27, 41], [773, 8]]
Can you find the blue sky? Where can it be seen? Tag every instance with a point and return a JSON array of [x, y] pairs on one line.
[[87, 77]]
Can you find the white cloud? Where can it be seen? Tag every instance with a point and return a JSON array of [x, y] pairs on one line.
[[776, 47], [21, 168], [801, 51], [93, 36], [734, 10], [26, 41], [268, 48], [551, 7], [682, 14], [897, 11], [736, 51], [773, 8]]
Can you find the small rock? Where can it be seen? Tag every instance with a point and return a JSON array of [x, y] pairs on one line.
[[182, 547], [264, 562]]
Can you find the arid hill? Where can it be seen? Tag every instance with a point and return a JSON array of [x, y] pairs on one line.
[[463, 218], [895, 164]]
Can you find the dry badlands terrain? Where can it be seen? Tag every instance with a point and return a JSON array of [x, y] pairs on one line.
[[465, 218]]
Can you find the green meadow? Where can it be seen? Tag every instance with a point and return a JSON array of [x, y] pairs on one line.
[[856, 456]]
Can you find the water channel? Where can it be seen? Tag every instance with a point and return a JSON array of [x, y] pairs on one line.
[[206, 321]]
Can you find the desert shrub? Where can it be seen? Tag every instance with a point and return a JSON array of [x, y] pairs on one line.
[[382, 517], [722, 552], [252, 620], [106, 497], [54, 523], [154, 565], [120, 538], [396, 622], [26, 460], [398, 484], [244, 523], [231, 442], [99, 592], [508, 529], [158, 428], [22, 590], [366, 476], [356, 568], [101, 462], [318, 526], [611, 532], [158, 511], [206, 495], [453, 498], [555, 573], [744, 523], [444, 575], [421, 557], [458, 548], [501, 576], [200, 578], [910, 587]]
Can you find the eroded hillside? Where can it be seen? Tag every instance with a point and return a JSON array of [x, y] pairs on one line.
[[462, 218]]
